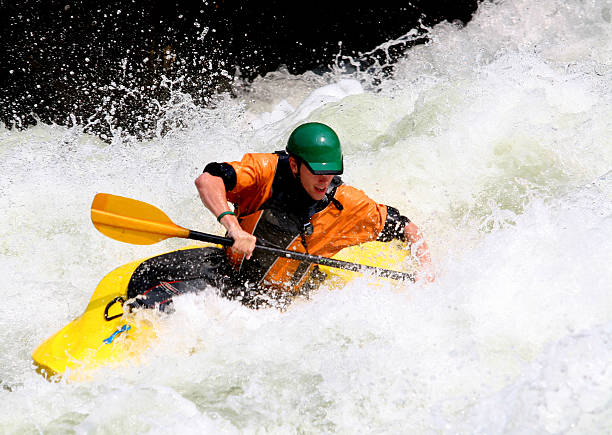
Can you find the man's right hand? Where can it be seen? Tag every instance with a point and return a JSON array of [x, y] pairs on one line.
[[244, 243], [213, 195]]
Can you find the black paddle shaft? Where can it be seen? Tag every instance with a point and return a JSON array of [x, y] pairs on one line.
[[226, 241]]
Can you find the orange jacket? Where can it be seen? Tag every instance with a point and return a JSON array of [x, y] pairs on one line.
[[357, 220]]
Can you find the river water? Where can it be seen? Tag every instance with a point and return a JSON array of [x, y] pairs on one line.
[[494, 138]]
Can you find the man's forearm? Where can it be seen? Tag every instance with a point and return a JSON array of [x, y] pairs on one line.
[[212, 193], [419, 246]]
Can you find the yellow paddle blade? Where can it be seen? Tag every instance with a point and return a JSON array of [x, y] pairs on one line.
[[132, 221]]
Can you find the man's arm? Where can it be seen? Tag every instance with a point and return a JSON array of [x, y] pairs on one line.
[[413, 235], [214, 197]]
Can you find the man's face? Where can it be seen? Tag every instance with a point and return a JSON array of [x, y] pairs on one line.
[[314, 185]]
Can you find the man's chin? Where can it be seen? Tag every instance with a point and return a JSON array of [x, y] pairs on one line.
[[317, 196]]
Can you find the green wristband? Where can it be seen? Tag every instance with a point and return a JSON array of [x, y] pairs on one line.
[[223, 214]]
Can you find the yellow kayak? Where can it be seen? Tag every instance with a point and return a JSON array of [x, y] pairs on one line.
[[106, 336]]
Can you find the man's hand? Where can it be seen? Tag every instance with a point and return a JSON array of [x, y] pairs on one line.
[[244, 243], [213, 195], [425, 273]]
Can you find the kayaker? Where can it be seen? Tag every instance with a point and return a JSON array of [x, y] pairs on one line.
[[292, 199]]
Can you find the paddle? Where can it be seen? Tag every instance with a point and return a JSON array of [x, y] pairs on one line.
[[132, 221]]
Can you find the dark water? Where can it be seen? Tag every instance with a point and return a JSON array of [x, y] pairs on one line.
[[115, 64]]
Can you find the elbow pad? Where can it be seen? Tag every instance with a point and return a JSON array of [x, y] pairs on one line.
[[394, 226], [225, 171]]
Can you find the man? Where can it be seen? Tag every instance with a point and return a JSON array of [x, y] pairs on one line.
[[293, 200]]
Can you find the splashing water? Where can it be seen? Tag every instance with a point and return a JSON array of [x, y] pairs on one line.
[[493, 138]]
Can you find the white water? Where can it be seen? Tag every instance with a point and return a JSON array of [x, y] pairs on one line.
[[495, 139]]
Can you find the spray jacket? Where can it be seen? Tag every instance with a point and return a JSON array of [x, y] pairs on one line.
[[270, 203]]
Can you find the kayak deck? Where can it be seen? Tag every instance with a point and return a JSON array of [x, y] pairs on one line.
[[106, 336]]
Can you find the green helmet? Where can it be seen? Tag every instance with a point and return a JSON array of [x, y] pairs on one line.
[[318, 147]]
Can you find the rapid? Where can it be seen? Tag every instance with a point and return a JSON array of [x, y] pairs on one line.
[[495, 138]]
